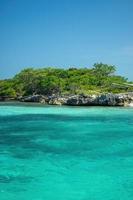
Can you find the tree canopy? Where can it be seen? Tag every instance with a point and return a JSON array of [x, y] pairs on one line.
[[48, 81]]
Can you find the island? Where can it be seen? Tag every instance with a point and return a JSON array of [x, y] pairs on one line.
[[95, 86]]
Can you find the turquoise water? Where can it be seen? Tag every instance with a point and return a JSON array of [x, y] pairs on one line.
[[66, 153]]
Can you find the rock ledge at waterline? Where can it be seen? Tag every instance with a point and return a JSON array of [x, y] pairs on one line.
[[125, 99]]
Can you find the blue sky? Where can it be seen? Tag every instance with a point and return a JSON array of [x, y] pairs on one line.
[[64, 33]]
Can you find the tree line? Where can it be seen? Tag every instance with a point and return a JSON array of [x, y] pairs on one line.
[[48, 81]]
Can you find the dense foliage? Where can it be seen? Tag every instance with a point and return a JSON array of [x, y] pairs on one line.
[[100, 78]]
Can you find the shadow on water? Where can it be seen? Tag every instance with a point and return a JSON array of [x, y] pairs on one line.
[[65, 117], [10, 179], [21, 133]]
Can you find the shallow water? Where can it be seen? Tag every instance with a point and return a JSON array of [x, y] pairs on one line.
[[66, 153]]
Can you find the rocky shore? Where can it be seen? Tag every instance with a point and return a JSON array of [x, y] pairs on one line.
[[125, 99]]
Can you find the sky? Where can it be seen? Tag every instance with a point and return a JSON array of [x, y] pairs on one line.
[[65, 33]]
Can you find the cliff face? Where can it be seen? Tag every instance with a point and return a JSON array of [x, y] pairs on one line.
[[125, 99]]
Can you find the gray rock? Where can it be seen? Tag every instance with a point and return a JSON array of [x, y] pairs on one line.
[[34, 98], [125, 99], [101, 100], [57, 100]]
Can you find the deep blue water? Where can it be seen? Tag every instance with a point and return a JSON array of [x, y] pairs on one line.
[[66, 153]]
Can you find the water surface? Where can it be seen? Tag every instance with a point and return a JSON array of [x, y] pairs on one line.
[[66, 153]]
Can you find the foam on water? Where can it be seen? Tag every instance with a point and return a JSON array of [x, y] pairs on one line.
[[66, 153]]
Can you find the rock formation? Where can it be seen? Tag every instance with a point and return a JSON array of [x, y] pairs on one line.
[[125, 99]]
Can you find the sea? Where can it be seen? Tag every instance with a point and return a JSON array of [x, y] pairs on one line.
[[65, 152]]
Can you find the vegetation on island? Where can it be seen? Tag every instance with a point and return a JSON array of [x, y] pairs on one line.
[[101, 78]]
